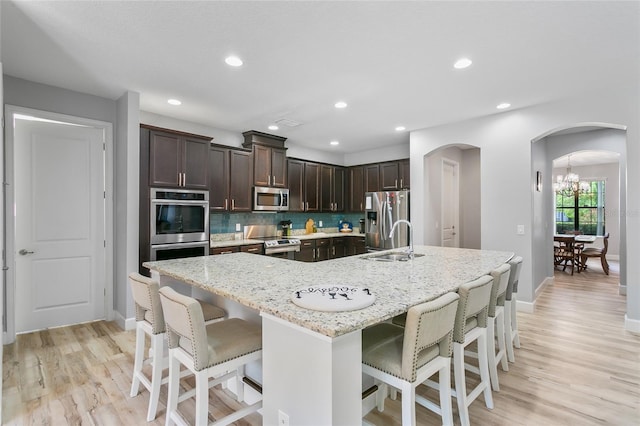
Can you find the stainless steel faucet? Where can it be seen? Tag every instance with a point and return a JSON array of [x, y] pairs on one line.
[[393, 228]]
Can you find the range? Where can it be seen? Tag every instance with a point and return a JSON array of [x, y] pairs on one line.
[[273, 244]]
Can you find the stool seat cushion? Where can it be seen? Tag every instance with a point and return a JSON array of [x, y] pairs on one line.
[[211, 312]]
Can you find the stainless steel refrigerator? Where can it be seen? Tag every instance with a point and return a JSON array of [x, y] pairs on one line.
[[382, 210]]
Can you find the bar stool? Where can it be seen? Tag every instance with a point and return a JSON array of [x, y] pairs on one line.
[[150, 321], [510, 321], [406, 357], [470, 326], [219, 350], [496, 323]]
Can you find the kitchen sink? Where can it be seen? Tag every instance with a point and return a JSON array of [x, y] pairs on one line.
[[395, 256]]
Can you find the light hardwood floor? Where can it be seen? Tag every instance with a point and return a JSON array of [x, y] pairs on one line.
[[577, 366]]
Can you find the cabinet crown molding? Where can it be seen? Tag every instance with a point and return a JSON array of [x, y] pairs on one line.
[[252, 137]]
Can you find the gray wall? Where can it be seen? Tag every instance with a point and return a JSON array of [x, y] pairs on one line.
[[470, 187], [507, 171]]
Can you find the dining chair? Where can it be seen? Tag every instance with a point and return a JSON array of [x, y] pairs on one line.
[[217, 351], [150, 322], [510, 318], [404, 357], [597, 252], [564, 253]]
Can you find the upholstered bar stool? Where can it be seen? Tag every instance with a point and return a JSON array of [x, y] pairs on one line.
[[216, 351], [510, 320], [470, 326], [496, 324], [150, 321], [406, 357]]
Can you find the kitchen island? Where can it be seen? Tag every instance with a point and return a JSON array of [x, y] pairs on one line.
[[311, 359]]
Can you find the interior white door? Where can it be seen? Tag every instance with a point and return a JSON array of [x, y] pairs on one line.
[[59, 224], [450, 204]]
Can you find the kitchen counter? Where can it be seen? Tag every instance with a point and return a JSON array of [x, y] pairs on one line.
[[266, 283], [216, 243], [311, 361]]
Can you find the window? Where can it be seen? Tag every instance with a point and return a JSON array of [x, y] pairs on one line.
[[582, 212]]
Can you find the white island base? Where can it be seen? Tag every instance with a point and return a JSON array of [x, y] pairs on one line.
[[311, 378]]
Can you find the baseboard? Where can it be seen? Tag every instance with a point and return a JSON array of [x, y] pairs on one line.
[[622, 289], [631, 325], [124, 323], [527, 307]]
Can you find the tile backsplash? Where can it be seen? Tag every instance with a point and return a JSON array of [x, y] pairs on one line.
[[222, 223]]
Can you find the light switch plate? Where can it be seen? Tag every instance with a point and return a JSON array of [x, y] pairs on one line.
[[238, 227], [520, 230]]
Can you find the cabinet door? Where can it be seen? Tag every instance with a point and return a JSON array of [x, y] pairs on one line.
[[278, 168], [261, 165], [311, 187], [405, 174], [338, 248], [165, 163], [224, 250], [371, 178], [323, 245], [307, 251], [240, 178], [338, 189], [295, 177], [326, 188], [195, 163], [356, 189], [218, 179], [253, 248], [389, 176]]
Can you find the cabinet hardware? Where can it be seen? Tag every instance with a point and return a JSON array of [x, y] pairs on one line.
[[179, 179], [396, 183], [269, 180], [252, 249], [233, 204], [226, 252], [401, 183], [184, 179], [226, 204]]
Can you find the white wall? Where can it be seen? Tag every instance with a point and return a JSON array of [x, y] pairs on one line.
[[470, 214], [390, 153], [506, 163]]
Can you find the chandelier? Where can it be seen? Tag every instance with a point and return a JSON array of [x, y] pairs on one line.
[[570, 185]]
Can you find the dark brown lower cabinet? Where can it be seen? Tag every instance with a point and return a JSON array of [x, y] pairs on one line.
[[355, 245], [224, 250], [338, 248]]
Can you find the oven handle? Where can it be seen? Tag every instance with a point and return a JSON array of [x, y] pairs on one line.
[[180, 202], [180, 245]]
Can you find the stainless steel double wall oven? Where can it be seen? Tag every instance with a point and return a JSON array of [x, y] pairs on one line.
[[179, 223]]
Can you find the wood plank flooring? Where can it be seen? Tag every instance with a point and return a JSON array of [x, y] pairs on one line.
[[577, 366]]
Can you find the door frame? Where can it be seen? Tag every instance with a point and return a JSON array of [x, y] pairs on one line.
[[456, 213], [9, 243]]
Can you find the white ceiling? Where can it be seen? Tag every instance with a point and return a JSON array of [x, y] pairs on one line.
[[390, 61], [586, 158]]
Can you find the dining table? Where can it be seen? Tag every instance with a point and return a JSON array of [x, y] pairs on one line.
[[311, 365], [573, 239]]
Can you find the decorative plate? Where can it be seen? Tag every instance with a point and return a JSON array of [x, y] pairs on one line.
[[336, 298]]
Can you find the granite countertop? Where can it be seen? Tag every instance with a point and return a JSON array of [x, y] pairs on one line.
[[266, 283], [226, 240]]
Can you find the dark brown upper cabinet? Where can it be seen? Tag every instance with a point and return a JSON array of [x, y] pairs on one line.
[[269, 158], [178, 160], [304, 186], [332, 180], [394, 175], [356, 189], [371, 178], [218, 179], [240, 179]]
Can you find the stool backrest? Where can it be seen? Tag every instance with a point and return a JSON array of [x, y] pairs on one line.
[[499, 289], [147, 301], [473, 307], [428, 324], [185, 326], [514, 276]]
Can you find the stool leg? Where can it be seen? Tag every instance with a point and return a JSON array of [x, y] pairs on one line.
[[408, 403], [508, 331], [157, 341], [514, 322], [502, 349], [490, 351], [461, 385], [484, 369], [240, 384], [137, 363], [444, 378], [202, 398], [173, 388]]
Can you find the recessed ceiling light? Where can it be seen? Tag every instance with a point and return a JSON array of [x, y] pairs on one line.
[[400, 128], [503, 105], [174, 102], [341, 104], [462, 63], [334, 143], [273, 127], [234, 61]]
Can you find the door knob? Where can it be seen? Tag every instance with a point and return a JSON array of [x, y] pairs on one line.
[[25, 252]]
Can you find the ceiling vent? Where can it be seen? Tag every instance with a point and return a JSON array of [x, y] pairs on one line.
[[287, 122]]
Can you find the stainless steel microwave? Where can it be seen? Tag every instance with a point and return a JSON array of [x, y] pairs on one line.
[[270, 199]]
